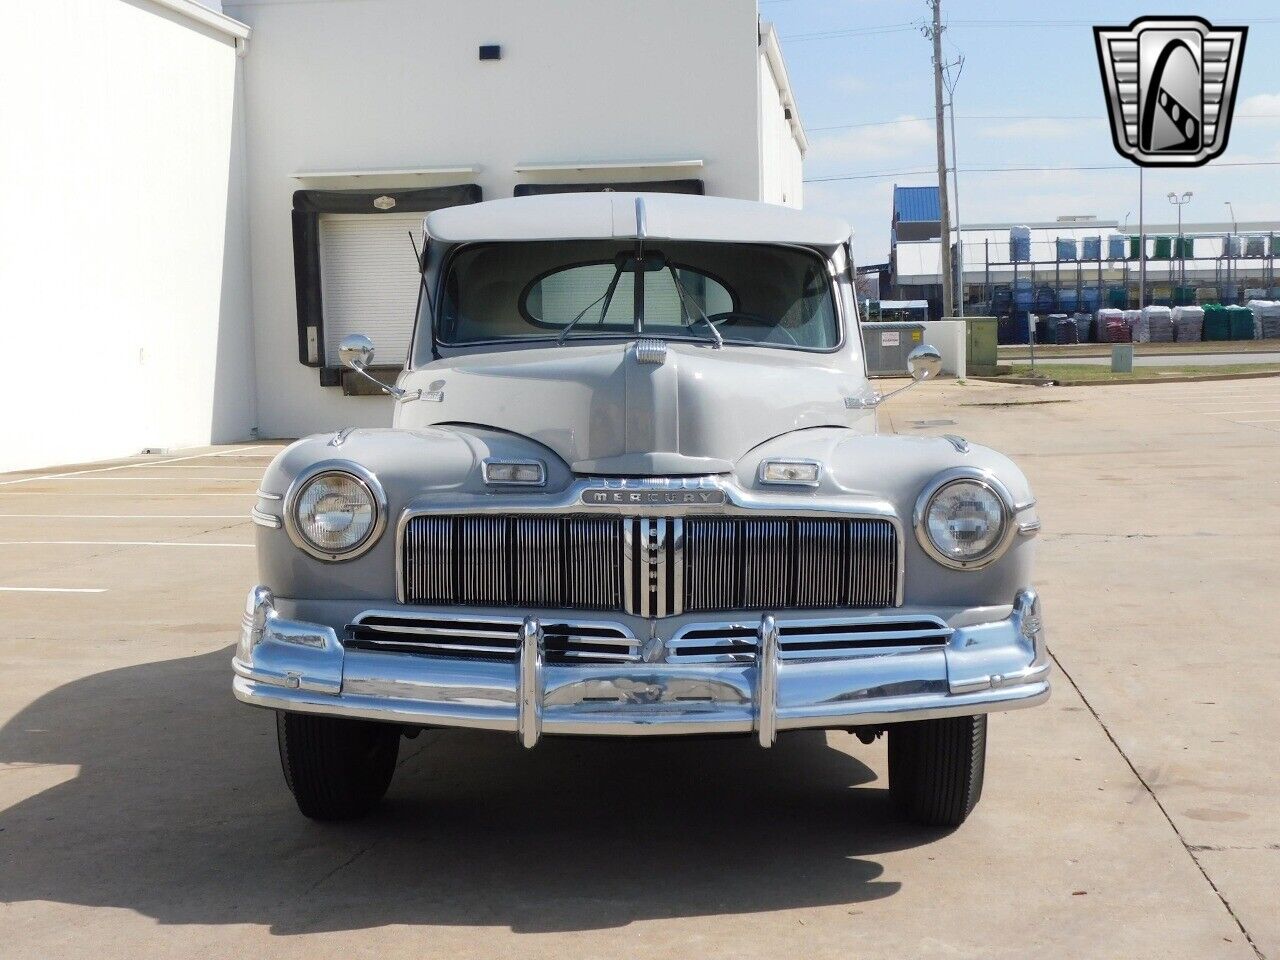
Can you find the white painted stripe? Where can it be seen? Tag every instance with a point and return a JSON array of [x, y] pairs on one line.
[[53, 589], [253, 480], [117, 543], [125, 516], [125, 466], [136, 496], [1256, 421], [1236, 413]]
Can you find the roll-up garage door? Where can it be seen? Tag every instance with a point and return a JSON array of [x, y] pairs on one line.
[[370, 281]]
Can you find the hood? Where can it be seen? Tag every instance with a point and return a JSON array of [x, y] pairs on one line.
[[604, 410]]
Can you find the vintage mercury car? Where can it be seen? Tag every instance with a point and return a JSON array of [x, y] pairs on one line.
[[633, 486]]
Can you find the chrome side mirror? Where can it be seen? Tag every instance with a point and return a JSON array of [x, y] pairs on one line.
[[923, 363], [356, 352]]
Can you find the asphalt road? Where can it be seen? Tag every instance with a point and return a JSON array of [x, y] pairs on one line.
[[143, 813]]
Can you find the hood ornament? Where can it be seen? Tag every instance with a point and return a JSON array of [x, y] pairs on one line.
[[651, 350]]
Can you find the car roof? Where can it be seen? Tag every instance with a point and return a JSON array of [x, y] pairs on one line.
[[609, 215]]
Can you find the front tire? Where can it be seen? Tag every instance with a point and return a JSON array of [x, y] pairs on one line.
[[936, 768], [336, 769]]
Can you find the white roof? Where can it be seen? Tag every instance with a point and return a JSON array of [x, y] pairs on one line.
[[608, 215]]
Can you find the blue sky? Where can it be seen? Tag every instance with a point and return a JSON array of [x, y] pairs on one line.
[[1024, 85]]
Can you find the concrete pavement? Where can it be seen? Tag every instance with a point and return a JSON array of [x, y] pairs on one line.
[[143, 814]]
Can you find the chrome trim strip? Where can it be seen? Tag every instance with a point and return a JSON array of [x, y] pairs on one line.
[[985, 478], [1029, 528], [766, 712], [960, 443], [675, 604], [1019, 507], [530, 693], [265, 519], [366, 478], [263, 495]]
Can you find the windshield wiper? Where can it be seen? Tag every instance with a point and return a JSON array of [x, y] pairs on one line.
[[686, 298], [607, 297]]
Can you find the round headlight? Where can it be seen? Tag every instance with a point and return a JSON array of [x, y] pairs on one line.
[[335, 514], [963, 522]]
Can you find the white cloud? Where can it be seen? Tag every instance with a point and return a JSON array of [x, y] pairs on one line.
[[913, 135], [1265, 107]]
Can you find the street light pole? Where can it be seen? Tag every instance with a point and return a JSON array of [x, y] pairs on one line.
[[1142, 243], [1179, 202], [1226, 247]]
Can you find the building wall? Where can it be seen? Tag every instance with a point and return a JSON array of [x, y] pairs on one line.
[[120, 266], [781, 160], [382, 84]]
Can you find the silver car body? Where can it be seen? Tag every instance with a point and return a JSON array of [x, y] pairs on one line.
[[666, 440]]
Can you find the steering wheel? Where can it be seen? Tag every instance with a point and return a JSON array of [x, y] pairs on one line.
[[756, 319]]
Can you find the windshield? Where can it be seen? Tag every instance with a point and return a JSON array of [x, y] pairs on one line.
[[573, 289]]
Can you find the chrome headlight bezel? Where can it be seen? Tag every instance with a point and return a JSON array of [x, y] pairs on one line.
[[366, 479], [992, 484]]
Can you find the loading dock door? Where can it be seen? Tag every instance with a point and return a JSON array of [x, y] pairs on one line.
[[370, 281]]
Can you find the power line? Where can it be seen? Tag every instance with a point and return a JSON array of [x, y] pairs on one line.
[[970, 24], [1109, 166], [1001, 116]]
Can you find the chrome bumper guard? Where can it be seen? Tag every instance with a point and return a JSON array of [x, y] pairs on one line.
[[292, 665]]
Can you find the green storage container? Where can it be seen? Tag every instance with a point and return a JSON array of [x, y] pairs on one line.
[[1184, 296], [1164, 248], [1217, 326], [1185, 248], [1135, 245], [1240, 323], [1117, 297]]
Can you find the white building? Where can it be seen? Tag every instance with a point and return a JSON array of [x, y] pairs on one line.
[[200, 199]]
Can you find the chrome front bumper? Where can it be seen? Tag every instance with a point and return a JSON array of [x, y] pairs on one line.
[[293, 665]]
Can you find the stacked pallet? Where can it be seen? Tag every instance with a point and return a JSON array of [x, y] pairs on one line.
[[1062, 329], [1266, 318], [1239, 323], [1111, 326], [1216, 326], [1084, 326], [1138, 326], [1159, 323]]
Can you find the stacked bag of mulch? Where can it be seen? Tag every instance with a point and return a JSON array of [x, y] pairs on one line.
[[1159, 323], [1138, 327], [1217, 325], [1266, 319], [1111, 326], [1062, 329]]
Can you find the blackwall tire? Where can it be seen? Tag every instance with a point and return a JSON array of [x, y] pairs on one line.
[[336, 769], [936, 768]]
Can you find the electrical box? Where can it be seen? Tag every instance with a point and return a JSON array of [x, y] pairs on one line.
[[887, 345], [981, 340]]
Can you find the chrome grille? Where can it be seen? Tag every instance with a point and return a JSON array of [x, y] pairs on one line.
[[490, 639], [499, 561], [806, 639], [786, 563], [650, 566]]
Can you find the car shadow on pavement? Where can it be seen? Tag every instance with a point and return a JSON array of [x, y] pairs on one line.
[[179, 811]]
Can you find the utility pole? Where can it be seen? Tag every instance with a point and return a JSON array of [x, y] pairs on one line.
[[952, 80], [1142, 242], [934, 33]]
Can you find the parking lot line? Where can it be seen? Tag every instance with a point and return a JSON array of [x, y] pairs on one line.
[[136, 496], [126, 466], [118, 543], [53, 589], [126, 516], [163, 479], [1258, 421]]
